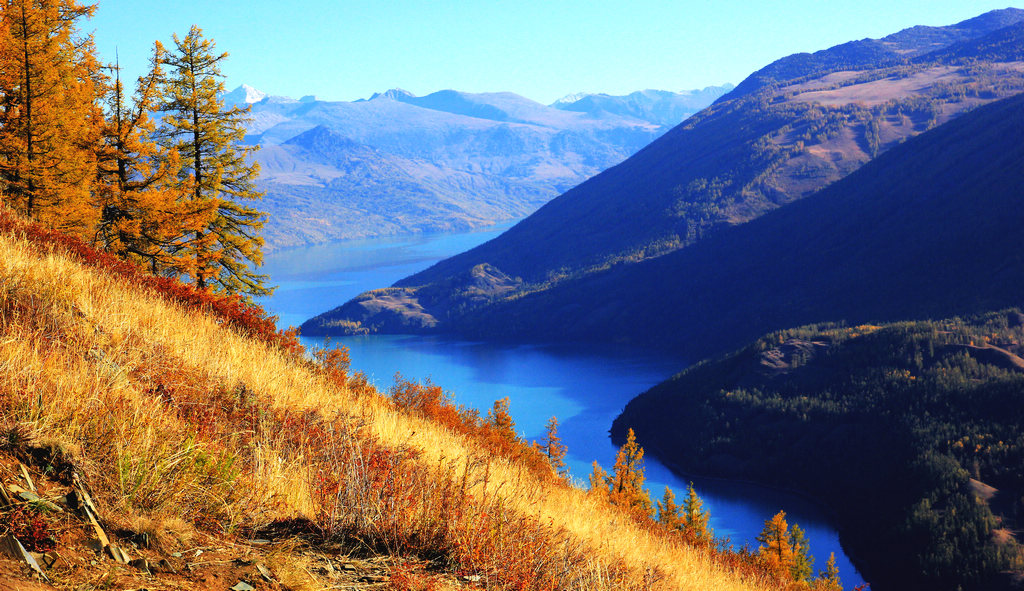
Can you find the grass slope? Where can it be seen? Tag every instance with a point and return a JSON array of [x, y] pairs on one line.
[[190, 431]]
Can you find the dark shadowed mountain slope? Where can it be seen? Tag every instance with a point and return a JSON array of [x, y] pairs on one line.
[[735, 161], [910, 432], [929, 229]]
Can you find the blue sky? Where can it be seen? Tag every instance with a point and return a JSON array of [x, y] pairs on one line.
[[344, 50]]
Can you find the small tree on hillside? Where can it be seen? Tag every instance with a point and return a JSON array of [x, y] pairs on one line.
[[208, 137], [554, 449], [626, 484], [697, 520], [669, 513]]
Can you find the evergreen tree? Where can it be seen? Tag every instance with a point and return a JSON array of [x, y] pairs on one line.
[[668, 511], [500, 418], [803, 563], [554, 449], [626, 484], [776, 549], [145, 211], [828, 579], [208, 138], [50, 122], [697, 520]]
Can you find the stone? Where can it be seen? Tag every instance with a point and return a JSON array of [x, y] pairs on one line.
[[142, 564], [243, 586], [264, 572]]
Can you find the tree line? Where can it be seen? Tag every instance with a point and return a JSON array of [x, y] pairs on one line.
[[159, 177]]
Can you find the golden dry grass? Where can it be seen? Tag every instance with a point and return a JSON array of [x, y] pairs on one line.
[[80, 354]]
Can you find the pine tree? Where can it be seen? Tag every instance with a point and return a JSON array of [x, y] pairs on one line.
[[828, 579], [208, 138], [776, 549], [554, 449], [626, 484], [697, 520], [668, 511], [803, 564], [51, 120], [145, 213], [500, 418]]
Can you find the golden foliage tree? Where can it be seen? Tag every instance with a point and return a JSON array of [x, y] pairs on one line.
[[776, 550], [51, 120], [553, 448], [669, 513], [145, 211], [208, 138], [500, 418], [625, 486], [697, 520], [785, 550]]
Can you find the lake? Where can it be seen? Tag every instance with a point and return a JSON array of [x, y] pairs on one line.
[[585, 387]]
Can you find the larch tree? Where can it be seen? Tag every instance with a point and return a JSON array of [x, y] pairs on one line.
[[697, 520], [554, 449], [803, 563], [626, 484], [208, 137], [776, 549], [145, 211], [669, 513], [51, 120], [500, 418]]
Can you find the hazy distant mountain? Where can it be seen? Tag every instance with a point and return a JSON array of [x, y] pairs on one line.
[[657, 106], [783, 134], [399, 163]]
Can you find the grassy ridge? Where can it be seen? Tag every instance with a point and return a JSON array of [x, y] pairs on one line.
[[184, 425]]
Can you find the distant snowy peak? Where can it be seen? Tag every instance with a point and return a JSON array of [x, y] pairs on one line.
[[396, 94], [244, 95], [569, 99], [663, 107]]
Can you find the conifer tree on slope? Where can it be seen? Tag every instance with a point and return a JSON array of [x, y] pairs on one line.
[[146, 214], [207, 136], [49, 118]]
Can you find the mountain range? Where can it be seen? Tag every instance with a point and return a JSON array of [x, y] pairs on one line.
[[399, 163], [784, 133]]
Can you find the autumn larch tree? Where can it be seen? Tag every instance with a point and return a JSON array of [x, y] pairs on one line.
[[554, 449], [668, 512], [208, 138], [626, 484], [49, 83], [145, 211], [696, 519]]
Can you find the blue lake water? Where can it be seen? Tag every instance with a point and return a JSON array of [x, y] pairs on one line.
[[585, 387]]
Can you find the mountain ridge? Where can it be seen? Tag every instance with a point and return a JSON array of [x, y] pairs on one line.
[[744, 156], [485, 157]]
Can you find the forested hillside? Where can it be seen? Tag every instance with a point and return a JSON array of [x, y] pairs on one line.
[[909, 432]]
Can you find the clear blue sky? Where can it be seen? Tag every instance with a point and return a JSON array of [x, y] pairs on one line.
[[347, 49]]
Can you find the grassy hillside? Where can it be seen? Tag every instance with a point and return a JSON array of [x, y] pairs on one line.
[[910, 432], [198, 429], [781, 140]]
